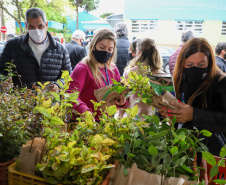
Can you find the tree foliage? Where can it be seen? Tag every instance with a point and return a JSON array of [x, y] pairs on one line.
[[104, 15], [55, 9], [88, 5]]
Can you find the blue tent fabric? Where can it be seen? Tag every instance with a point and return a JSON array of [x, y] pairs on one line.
[[96, 24], [82, 17]]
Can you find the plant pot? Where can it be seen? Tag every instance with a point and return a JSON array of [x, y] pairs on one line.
[[17, 177], [4, 172]]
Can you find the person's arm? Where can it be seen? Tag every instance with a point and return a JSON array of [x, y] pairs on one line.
[[79, 76], [5, 57], [211, 120]]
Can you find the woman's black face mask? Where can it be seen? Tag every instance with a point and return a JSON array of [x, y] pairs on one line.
[[102, 56], [195, 74]]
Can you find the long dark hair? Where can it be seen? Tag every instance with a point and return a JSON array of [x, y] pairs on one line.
[[191, 47]]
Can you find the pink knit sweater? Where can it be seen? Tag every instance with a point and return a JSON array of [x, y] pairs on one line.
[[84, 82]]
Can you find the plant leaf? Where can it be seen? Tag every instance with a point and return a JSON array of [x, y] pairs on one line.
[[214, 171], [189, 170], [209, 158], [112, 110], [180, 161], [71, 144], [134, 111], [174, 150], [206, 133], [223, 152], [56, 96], [219, 181], [127, 148], [131, 155], [125, 171], [89, 168], [64, 157], [204, 147], [153, 151], [108, 142], [43, 111], [56, 121]]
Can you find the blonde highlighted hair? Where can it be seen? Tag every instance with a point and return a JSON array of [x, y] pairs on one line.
[[149, 53], [100, 35]]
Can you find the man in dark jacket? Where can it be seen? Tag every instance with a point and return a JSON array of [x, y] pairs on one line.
[[220, 51], [75, 49], [186, 35], [36, 56], [122, 45]]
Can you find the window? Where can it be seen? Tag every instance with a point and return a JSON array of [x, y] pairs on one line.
[[223, 29], [144, 26], [194, 25]]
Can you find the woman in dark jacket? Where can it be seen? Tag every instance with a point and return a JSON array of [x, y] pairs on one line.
[[202, 87]]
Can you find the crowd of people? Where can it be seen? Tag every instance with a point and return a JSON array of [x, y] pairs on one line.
[[198, 74]]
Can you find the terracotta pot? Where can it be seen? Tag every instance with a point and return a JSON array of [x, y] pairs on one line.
[[4, 172]]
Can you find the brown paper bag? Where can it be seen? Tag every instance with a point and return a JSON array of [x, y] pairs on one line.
[[134, 177], [160, 101], [109, 99], [181, 180], [141, 177], [31, 154]]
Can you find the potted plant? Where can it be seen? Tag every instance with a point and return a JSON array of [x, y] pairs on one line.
[[16, 114]]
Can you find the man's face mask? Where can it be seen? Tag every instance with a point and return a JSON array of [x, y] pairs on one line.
[[37, 35]]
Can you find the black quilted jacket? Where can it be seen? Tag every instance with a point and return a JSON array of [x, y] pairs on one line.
[[54, 60], [122, 44]]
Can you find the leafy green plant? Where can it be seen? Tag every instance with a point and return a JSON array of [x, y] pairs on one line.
[[158, 148], [16, 116], [162, 150], [215, 165], [83, 155]]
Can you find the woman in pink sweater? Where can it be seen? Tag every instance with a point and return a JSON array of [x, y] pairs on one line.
[[95, 71]]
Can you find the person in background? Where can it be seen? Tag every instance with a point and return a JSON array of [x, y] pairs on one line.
[[56, 38], [186, 35], [132, 55], [147, 56], [36, 56], [75, 47], [9, 36], [88, 40], [201, 88], [122, 44], [95, 71], [132, 49], [220, 57]]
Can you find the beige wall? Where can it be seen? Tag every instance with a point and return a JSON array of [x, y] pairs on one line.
[[166, 35]]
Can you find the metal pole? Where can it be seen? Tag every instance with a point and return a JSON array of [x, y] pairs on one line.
[[2, 22], [77, 3]]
